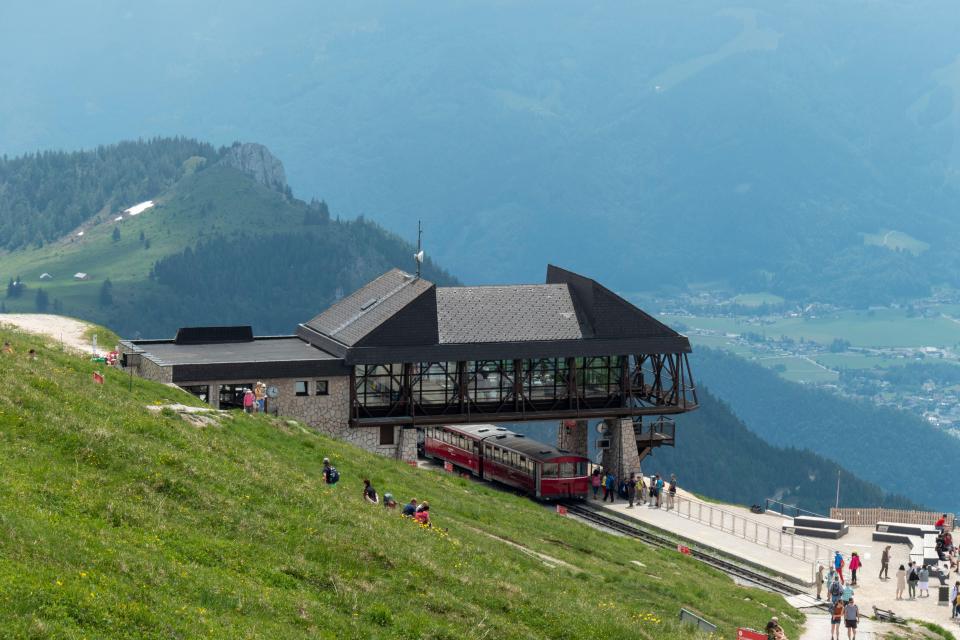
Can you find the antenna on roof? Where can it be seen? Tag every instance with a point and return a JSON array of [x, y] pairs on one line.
[[418, 256]]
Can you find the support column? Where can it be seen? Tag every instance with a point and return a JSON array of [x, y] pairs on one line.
[[407, 444], [572, 436], [622, 458]]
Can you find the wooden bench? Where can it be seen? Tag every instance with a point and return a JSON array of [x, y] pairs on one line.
[[884, 615]]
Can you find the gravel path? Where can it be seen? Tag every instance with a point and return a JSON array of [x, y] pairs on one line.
[[69, 331]]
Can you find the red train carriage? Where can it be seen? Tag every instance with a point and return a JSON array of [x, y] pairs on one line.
[[497, 454]]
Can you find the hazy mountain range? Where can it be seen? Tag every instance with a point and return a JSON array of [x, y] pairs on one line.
[[809, 148]]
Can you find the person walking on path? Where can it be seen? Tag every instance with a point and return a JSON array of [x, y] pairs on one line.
[[885, 563], [609, 488], [819, 581], [838, 564], [835, 590], [595, 481], [854, 565], [631, 490], [901, 581], [954, 599], [924, 585], [913, 577], [851, 616], [672, 491], [836, 615]]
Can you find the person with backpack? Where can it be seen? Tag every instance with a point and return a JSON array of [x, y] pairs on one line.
[[672, 491], [838, 564], [854, 565], [609, 488], [901, 582], [330, 474], [659, 489], [595, 481], [913, 577], [369, 493], [835, 590], [836, 615], [631, 490], [851, 616]]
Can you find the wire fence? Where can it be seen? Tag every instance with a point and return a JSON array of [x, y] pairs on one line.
[[856, 517]]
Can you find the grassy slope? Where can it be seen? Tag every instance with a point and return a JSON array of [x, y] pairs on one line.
[[217, 201], [118, 523]]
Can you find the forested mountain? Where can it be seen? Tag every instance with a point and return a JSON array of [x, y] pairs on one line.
[[895, 450], [808, 148], [717, 455], [225, 242]]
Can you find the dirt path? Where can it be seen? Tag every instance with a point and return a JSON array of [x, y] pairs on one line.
[[69, 331]]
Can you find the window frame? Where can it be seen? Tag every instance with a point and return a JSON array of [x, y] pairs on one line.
[[321, 387], [306, 388]]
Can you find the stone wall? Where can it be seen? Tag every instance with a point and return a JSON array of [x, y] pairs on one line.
[[572, 436], [622, 457]]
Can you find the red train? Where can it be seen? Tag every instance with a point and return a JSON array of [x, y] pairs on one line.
[[498, 454]]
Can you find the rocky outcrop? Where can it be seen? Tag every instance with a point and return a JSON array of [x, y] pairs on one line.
[[256, 161]]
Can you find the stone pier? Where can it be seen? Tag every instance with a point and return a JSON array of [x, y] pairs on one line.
[[622, 457], [572, 436]]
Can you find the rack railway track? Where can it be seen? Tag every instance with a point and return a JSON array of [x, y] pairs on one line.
[[770, 583]]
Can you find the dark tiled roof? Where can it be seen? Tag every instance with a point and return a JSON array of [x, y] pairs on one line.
[[353, 318], [286, 349], [516, 313]]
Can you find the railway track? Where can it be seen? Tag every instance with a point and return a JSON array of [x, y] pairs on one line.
[[739, 571]]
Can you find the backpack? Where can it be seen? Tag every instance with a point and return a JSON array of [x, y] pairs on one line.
[[835, 589], [333, 475]]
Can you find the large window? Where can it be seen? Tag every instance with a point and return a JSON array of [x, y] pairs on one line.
[[387, 435], [322, 388], [599, 376], [300, 388], [231, 395], [378, 385]]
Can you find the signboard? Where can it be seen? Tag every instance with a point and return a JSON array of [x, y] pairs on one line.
[[448, 467], [683, 549], [603, 443], [561, 510], [412, 463], [750, 634]]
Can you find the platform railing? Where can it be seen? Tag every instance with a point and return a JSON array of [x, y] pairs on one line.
[[788, 510], [752, 530]]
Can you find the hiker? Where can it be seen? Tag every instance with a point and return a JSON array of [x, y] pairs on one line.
[[672, 491], [836, 614], [6, 347], [410, 509], [631, 489], [902, 582], [941, 523], [609, 484], [924, 585], [369, 493], [838, 564], [851, 615], [32, 354], [422, 516], [260, 394], [847, 594], [247, 401], [954, 599], [774, 630], [388, 501], [913, 577], [835, 590], [819, 581], [641, 490], [659, 489], [595, 482], [885, 563], [330, 474], [854, 565]]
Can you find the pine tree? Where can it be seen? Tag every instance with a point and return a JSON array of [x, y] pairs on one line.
[[106, 293], [116, 234], [42, 301]]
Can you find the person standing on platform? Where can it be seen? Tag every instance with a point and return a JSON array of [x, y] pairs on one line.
[[954, 599], [835, 590], [595, 481], [855, 564], [902, 581], [248, 401], [838, 564], [631, 490], [819, 581], [913, 577], [924, 585], [941, 523], [659, 489], [672, 491], [610, 488], [885, 563]]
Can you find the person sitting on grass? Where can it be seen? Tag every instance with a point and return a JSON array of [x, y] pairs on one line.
[[774, 630], [422, 516], [388, 501], [410, 509], [369, 493], [7, 348]]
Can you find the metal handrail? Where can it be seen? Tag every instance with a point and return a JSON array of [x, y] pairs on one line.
[[752, 530], [796, 510]]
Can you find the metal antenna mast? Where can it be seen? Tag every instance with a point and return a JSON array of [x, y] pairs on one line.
[[418, 256]]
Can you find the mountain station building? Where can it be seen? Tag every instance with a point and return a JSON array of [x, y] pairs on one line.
[[401, 353]]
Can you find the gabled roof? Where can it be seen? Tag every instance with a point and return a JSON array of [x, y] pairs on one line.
[[402, 318]]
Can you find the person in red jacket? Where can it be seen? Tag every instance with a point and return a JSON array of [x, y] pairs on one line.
[[854, 565], [422, 516], [941, 523]]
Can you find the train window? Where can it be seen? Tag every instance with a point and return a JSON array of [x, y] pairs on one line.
[[581, 468], [498, 454], [549, 470], [488, 451], [515, 458], [568, 469]]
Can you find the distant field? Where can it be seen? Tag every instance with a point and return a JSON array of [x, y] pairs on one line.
[[757, 299], [881, 328], [799, 369], [896, 241]]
